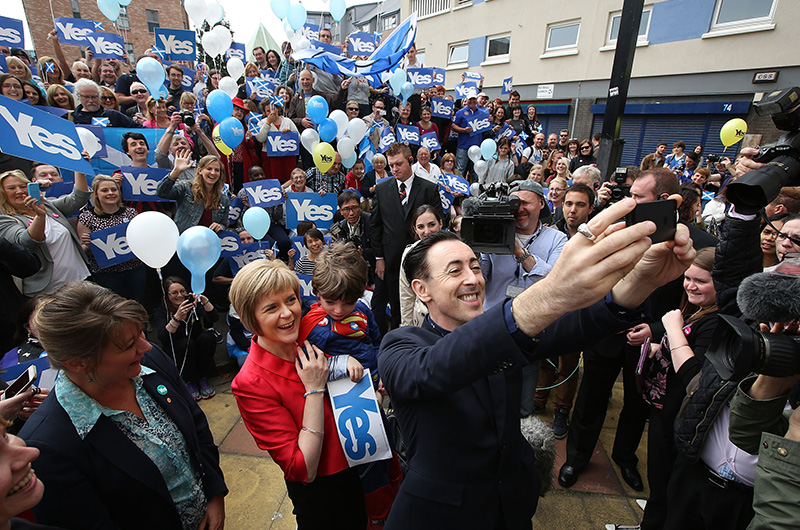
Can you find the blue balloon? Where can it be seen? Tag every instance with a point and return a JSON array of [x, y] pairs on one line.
[[256, 221], [110, 8], [397, 80], [199, 249], [406, 90], [162, 92], [317, 109], [297, 16], [231, 131], [327, 130], [350, 161], [219, 105], [488, 148], [280, 8], [151, 73], [338, 8]]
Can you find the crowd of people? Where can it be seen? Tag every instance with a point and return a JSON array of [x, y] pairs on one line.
[[391, 269]]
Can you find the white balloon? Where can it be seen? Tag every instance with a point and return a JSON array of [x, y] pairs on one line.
[[210, 43], [346, 147], [303, 43], [91, 144], [153, 238], [224, 35], [196, 9], [229, 86], [310, 139], [474, 154], [213, 12], [235, 67], [480, 168], [356, 129], [341, 122]]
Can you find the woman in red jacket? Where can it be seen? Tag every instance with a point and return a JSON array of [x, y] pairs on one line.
[[280, 392]]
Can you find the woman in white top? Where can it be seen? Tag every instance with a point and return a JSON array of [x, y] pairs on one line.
[[42, 227], [426, 221], [276, 167]]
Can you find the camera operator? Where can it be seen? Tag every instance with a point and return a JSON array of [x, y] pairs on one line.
[[760, 424], [355, 227], [174, 141], [536, 249]]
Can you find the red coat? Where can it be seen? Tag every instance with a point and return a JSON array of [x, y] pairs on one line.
[[269, 394]]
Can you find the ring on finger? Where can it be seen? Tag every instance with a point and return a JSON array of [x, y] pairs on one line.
[[583, 229]]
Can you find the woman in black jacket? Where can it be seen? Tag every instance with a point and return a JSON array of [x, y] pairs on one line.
[[585, 158], [185, 330]]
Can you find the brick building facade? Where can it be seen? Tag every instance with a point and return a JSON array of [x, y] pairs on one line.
[[135, 24]]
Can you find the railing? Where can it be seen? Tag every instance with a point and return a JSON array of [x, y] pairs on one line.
[[426, 8]]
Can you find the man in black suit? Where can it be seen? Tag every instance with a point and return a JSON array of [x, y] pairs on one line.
[[392, 208], [456, 382], [604, 360]]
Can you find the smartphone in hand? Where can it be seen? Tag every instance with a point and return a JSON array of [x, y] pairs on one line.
[[35, 192], [664, 213]]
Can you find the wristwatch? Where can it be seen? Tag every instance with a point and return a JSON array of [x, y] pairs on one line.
[[524, 256]]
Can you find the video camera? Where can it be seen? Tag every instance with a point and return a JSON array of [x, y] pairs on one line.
[[756, 189], [488, 225], [619, 189], [738, 349]]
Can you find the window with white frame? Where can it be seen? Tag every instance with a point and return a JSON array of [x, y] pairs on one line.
[[152, 20], [497, 47], [129, 52], [76, 8], [389, 21], [742, 12], [458, 53], [614, 22], [563, 37], [421, 56], [123, 22]]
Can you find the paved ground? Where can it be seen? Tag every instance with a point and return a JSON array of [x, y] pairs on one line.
[[258, 499]]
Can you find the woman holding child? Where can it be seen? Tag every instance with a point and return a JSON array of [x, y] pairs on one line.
[[280, 392]]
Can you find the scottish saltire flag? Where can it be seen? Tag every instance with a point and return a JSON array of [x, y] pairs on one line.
[[253, 121], [98, 26], [524, 135], [49, 67], [390, 52], [102, 122], [162, 54], [276, 100]]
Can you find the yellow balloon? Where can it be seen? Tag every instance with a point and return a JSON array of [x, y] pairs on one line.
[[733, 131], [323, 156], [220, 145]]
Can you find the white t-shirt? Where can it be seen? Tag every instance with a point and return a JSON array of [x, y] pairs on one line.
[[432, 174], [68, 264]]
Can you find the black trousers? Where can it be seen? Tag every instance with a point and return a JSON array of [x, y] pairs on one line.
[[695, 502], [661, 455], [601, 368], [331, 502]]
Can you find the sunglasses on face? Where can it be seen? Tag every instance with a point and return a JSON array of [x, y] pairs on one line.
[[107, 98], [138, 91], [353, 109]]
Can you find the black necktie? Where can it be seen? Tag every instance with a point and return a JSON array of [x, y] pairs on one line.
[[402, 191]]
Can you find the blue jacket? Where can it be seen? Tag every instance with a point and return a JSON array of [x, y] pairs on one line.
[[105, 481], [457, 398], [188, 212]]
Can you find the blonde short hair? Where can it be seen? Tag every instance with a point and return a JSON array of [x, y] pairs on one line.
[[5, 207], [255, 281]]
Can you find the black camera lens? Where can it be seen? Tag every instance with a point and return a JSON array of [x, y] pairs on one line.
[[756, 189]]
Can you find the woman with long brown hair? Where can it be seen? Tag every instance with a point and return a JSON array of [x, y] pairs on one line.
[[201, 201]]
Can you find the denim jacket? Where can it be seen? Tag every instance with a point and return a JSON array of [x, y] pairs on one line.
[[188, 212]]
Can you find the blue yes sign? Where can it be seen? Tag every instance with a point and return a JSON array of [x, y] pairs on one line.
[[40, 136], [264, 193], [178, 44], [11, 33], [283, 144], [110, 246], [310, 207]]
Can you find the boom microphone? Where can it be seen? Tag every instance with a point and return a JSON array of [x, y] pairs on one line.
[[769, 297]]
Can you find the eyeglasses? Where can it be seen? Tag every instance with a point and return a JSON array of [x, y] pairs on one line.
[[781, 236], [138, 91], [350, 208], [107, 98], [563, 135], [88, 96], [177, 293], [353, 109], [586, 147]]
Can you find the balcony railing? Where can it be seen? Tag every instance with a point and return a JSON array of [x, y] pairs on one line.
[[426, 8]]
